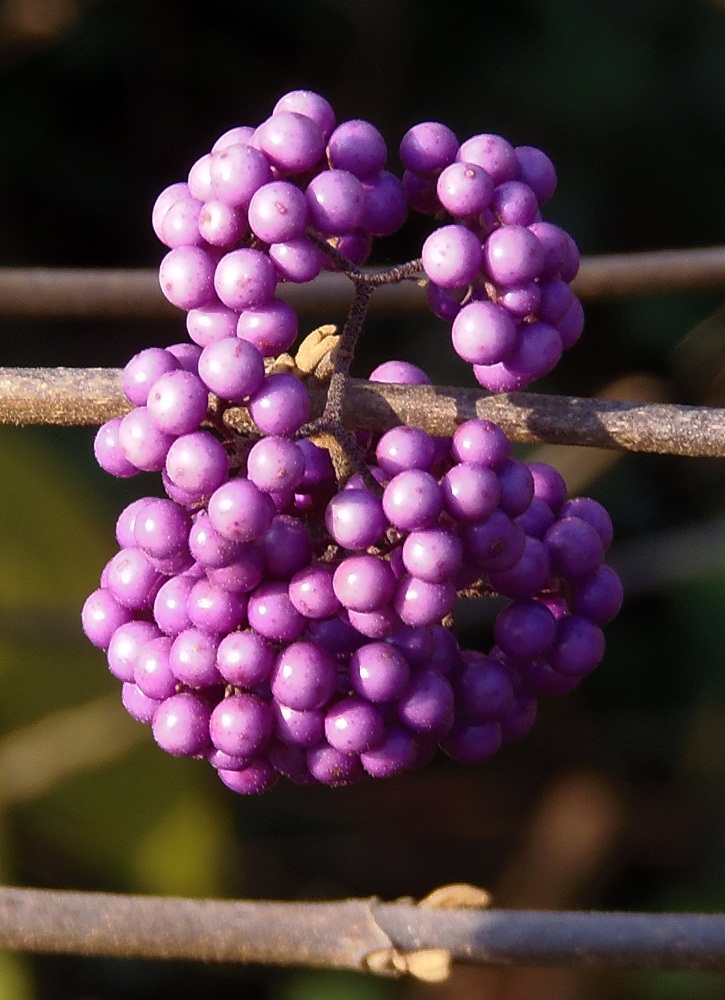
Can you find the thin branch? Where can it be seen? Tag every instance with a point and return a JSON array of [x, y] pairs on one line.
[[352, 934], [88, 396], [133, 294]]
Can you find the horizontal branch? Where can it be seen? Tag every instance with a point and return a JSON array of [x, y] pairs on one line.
[[351, 934], [133, 294], [90, 396]]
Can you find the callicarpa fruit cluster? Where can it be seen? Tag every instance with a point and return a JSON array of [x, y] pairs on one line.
[[286, 607]]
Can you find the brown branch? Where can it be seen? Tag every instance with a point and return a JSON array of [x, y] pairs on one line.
[[353, 934], [87, 396], [131, 294]]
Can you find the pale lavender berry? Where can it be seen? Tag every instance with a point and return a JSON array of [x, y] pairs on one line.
[[379, 672], [254, 779], [304, 676], [187, 355], [275, 463], [177, 402], [336, 200], [514, 203], [470, 492], [271, 613], [161, 528], [412, 499], [102, 615], [199, 178], [333, 767], [221, 224], [181, 725], [481, 442], [271, 328], [493, 153], [241, 725], [143, 443], [297, 260], [278, 212], [244, 279], [180, 225], [300, 728], [375, 624], [192, 658], [244, 573], [210, 323], [239, 135], [353, 725], [170, 604], [536, 170], [419, 602], [231, 368], [239, 510], [397, 752], [186, 276], [168, 197], [152, 670], [214, 609], [399, 372], [245, 659], [513, 255], [238, 170], [522, 300], [465, 189], [125, 645], [405, 447], [452, 256], [143, 370], [364, 583], [208, 547], [109, 453], [483, 333], [197, 463], [131, 578], [292, 142], [312, 593], [138, 705], [538, 350], [357, 146], [281, 405], [555, 244], [433, 554], [311, 105], [427, 148]]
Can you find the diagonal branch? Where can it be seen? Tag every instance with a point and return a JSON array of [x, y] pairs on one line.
[[88, 396]]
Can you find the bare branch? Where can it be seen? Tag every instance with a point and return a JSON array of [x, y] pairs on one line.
[[134, 293], [87, 396], [352, 934]]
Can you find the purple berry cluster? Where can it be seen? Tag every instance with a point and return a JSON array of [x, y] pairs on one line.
[[497, 272], [271, 615]]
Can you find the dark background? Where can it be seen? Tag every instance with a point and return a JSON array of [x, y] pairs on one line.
[[615, 798]]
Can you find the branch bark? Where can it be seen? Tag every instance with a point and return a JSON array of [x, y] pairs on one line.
[[351, 934], [79, 293], [89, 396]]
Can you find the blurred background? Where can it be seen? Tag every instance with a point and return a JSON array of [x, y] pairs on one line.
[[615, 799]]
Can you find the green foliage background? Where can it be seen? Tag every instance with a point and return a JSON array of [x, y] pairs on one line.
[[102, 103]]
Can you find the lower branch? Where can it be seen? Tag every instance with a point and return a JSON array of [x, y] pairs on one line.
[[352, 934]]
